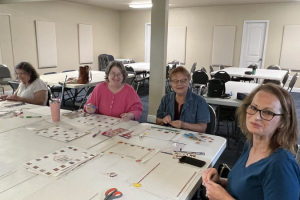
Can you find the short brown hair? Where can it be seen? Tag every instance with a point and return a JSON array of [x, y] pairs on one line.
[[29, 69], [286, 136], [180, 69], [118, 65]]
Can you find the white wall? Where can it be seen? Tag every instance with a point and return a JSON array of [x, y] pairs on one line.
[[200, 22], [66, 16]]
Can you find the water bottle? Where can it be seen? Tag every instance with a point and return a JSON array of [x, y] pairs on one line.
[[254, 69]]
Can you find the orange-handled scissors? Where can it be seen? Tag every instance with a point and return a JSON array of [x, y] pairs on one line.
[[112, 193]]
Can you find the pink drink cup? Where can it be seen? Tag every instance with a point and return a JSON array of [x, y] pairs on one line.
[[55, 109]]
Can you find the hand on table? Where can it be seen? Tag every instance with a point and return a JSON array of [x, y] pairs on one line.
[[167, 119], [127, 116], [176, 124], [90, 108], [3, 96]]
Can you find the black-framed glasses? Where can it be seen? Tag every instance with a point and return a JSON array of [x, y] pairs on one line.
[[182, 81], [264, 114]]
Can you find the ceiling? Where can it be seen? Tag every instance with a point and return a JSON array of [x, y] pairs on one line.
[[123, 4]]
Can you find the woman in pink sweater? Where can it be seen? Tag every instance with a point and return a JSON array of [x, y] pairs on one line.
[[114, 97]]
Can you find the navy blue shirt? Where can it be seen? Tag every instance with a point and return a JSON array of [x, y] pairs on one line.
[[275, 177], [194, 110]]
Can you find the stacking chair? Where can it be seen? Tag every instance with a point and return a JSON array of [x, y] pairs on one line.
[[203, 69], [14, 85], [85, 98], [221, 67], [193, 69], [139, 79], [55, 90], [222, 75], [168, 85], [273, 67], [292, 82], [211, 126], [4, 76], [285, 78], [211, 69], [199, 81]]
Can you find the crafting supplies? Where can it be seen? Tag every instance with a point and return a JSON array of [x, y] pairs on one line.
[[112, 193]]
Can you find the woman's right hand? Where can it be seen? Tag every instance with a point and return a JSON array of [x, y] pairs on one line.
[[167, 119], [3, 96], [90, 108], [210, 174]]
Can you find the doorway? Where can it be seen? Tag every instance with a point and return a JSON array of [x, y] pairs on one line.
[[255, 36]]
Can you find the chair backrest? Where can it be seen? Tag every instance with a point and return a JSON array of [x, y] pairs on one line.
[[275, 67], [14, 85], [167, 72], [130, 79], [4, 72], [50, 96], [211, 69], [203, 69], [193, 69], [292, 82], [285, 78], [86, 96], [298, 154], [129, 68], [200, 77], [221, 67], [211, 126], [222, 75]]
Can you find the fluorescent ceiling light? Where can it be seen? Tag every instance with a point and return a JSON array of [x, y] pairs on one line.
[[145, 5]]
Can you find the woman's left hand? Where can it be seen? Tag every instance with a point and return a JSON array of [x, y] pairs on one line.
[[215, 191], [176, 124], [127, 116]]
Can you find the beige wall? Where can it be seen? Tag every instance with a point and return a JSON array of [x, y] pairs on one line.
[[200, 22], [66, 16]]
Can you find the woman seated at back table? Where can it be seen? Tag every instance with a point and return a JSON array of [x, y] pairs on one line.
[[182, 108], [114, 97], [31, 89], [267, 168]]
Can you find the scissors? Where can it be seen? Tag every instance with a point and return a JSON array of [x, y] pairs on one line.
[[112, 193]]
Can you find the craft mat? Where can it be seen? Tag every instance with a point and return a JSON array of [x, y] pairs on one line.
[[131, 151], [166, 183], [59, 162], [60, 131]]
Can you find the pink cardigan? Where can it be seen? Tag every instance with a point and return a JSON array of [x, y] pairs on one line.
[[126, 100]]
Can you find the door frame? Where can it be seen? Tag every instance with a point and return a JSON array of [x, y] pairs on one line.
[[246, 22]]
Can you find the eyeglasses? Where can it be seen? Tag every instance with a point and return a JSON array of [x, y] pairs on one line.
[[115, 75], [182, 81], [264, 114]]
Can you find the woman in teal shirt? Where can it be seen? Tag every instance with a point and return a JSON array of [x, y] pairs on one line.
[[267, 168]]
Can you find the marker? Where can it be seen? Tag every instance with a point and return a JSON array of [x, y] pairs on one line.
[[96, 133], [33, 116]]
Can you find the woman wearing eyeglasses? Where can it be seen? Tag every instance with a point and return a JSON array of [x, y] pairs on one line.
[[182, 108], [267, 168], [114, 97]]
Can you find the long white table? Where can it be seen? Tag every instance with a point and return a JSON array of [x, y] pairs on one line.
[[232, 87], [56, 79], [260, 73], [160, 175], [140, 66]]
